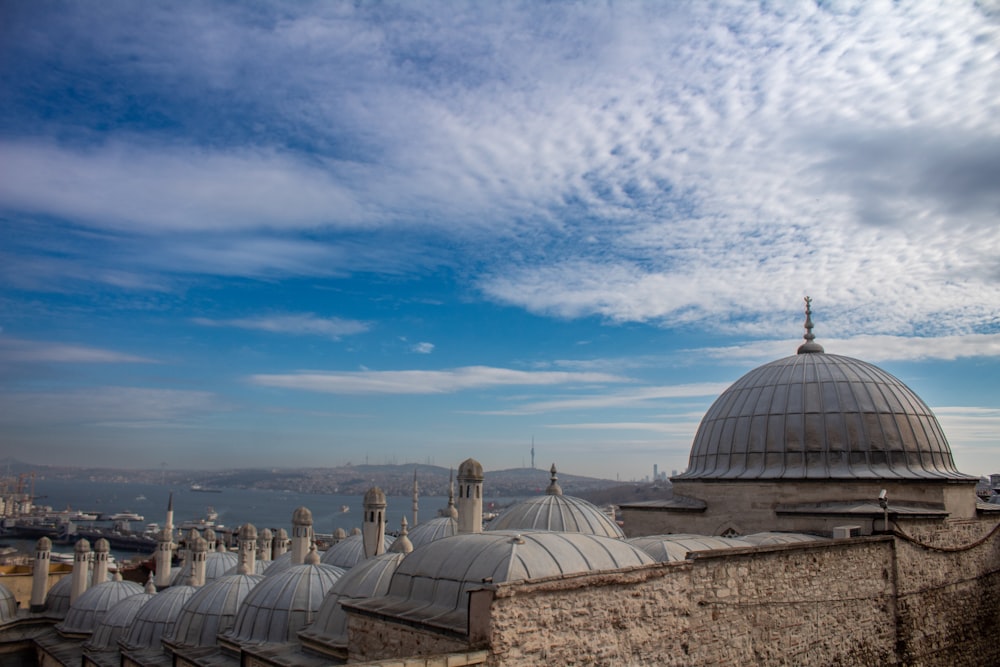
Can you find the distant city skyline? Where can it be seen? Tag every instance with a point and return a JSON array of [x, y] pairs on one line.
[[285, 235]]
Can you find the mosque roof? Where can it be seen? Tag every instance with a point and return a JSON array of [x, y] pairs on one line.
[[435, 529], [57, 599], [8, 604], [88, 610], [349, 551], [279, 564], [556, 512], [281, 605], [666, 548], [814, 415], [768, 538], [259, 567], [156, 618], [217, 564], [116, 622], [430, 584], [212, 610], [369, 579]]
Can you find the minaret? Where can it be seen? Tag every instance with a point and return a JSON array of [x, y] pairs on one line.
[[402, 544], [40, 574], [339, 536], [169, 524], [416, 504], [211, 538], [470, 496], [452, 510], [81, 569], [302, 534], [164, 556], [265, 542], [199, 561], [101, 550], [248, 547], [373, 533], [280, 543]]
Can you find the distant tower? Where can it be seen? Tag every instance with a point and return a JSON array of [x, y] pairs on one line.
[[164, 555], [416, 503], [101, 550], [373, 533], [81, 569], [302, 534], [248, 547], [40, 574], [169, 525], [470, 496], [532, 452], [656, 473]]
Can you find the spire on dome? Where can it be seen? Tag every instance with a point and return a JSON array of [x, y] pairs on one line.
[[554, 488], [810, 346]]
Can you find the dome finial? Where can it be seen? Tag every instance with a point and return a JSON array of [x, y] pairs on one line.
[[810, 345], [554, 488]]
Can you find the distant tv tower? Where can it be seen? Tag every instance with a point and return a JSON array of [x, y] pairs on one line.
[[532, 452]]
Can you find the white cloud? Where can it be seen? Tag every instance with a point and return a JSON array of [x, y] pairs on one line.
[[631, 398], [298, 324], [423, 382], [423, 348], [28, 351]]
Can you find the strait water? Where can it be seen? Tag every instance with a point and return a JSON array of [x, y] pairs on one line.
[[264, 509]]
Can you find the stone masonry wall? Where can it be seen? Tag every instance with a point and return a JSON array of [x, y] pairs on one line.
[[380, 639], [765, 606], [949, 584]]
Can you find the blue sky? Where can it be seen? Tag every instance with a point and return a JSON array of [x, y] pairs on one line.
[[307, 234]]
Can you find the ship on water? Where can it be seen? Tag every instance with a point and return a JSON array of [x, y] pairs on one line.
[[198, 488]]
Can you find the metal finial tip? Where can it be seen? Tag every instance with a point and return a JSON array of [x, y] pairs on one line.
[[810, 346]]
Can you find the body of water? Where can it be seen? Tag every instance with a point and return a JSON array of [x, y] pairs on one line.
[[264, 509]]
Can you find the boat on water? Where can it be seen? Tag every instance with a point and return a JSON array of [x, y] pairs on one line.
[[207, 521], [198, 488], [344, 509], [126, 516]]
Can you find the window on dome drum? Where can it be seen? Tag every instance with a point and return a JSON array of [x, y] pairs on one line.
[[730, 532]]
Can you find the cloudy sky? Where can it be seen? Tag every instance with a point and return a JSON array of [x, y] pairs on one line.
[[305, 233]]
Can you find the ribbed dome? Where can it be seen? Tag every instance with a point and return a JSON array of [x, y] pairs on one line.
[[431, 584], [212, 610], [556, 513], [820, 416], [217, 564], [8, 604], [435, 529], [156, 618], [367, 580], [669, 548], [88, 610], [350, 551], [57, 599], [470, 469], [116, 623], [278, 607]]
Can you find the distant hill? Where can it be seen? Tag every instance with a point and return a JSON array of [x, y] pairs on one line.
[[394, 479]]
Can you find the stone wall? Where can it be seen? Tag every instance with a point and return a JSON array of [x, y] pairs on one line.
[[377, 638], [780, 605]]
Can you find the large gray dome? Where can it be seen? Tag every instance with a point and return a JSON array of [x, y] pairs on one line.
[[156, 618], [819, 416], [212, 610], [88, 610], [116, 623]]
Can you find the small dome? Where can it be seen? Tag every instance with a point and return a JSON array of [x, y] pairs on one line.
[[82, 546], [116, 622], [102, 546], [470, 469], [431, 584], [302, 517], [402, 543], [558, 513], [57, 599], [435, 529], [88, 610], [43, 544], [212, 610], [156, 618], [339, 534], [248, 533], [666, 548], [8, 605], [217, 564], [375, 496], [350, 551], [278, 607], [368, 580]]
